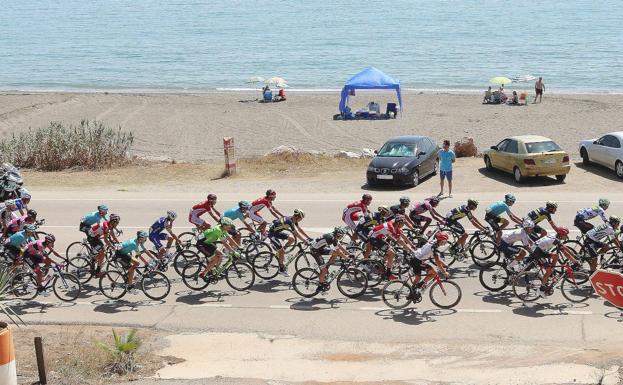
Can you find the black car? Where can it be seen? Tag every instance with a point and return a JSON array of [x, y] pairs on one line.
[[404, 160]]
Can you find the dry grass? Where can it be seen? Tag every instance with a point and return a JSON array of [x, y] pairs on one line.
[[74, 358]]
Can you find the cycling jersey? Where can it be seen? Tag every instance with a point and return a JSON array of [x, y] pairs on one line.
[[160, 225], [258, 205], [280, 225], [6, 216], [99, 229], [548, 242], [351, 211], [35, 249], [370, 220], [327, 241], [92, 218], [498, 208], [17, 224], [384, 229], [212, 235], [233, 214], [197, 211], [19, 204], [130, 246], [511, 237], [539, 215], [601, 232], [19, 239], [422, 207], [427, 251], [592, 212], [460, 213]]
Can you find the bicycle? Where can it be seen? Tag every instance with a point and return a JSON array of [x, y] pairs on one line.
[[351, 281], [239, 275], [153, 283], [65, 286]]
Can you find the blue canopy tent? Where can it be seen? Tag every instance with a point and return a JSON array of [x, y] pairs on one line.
[[369, 79]]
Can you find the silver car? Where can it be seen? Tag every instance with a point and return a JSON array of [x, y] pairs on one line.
[[605, 150]]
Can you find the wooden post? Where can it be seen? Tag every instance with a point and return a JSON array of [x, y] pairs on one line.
[[43, 380], [230, 156]]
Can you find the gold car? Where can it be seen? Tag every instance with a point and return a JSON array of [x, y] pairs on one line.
[[528, 155]]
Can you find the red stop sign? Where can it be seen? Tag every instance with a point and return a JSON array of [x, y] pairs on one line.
[[609, 285]]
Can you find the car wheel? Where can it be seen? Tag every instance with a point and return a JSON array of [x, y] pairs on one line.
[[584, 155], [561, 178], [488, 163], [415, 178], [436, 168], [618, 167], [517, 175]]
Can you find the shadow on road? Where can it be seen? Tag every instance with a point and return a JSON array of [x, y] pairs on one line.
[[599, 170], [121, 305], [314, 304], [411, 316], [507, 178]]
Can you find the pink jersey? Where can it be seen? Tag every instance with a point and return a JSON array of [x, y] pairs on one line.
[[422, 207], [385, 229], [35, 248], [353, 210]]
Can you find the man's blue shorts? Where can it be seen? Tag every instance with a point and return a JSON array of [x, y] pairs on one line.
[[446, 174], [157, 238]]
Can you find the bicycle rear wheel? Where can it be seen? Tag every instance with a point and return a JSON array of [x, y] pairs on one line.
[[445, 294], [67, 287], [494, 277], [352, 282], [24, 286], [306, 282], [113, 284], [191, 276], [265, 265], [577, 288], [254, 247], [240, 276], [375, 271], [155, 285], [82, 268], [526, 286], [307, 261], [187, 236], [182, 259], [396, 294], [78, 249], [484, 252]]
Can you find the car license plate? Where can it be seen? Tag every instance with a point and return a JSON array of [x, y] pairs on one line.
[[384, 177], [549, 161]]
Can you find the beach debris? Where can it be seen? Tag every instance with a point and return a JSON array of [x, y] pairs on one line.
[[465, 148], [367, 153], [284, 150], [348, 154]]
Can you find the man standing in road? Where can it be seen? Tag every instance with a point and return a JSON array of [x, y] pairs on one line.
[[539, 87], [446, 158]]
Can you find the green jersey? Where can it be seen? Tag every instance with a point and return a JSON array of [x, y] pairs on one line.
[[212, 235]]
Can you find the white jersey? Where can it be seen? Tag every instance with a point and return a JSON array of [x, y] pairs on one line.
[[427, 251], [592, 212], [516, 235], [547, 242], [601, 232]]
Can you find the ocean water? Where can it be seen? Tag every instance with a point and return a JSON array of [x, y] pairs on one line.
[[577, 46]]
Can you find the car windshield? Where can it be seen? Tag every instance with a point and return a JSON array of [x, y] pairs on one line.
[[542, 147], [397, 149]]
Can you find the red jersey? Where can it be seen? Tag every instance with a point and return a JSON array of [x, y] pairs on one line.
[[99, 229], [353, 210], [259, 204], [384, 229], [202, 208]]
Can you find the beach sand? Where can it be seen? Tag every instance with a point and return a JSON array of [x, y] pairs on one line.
[[190, 127]]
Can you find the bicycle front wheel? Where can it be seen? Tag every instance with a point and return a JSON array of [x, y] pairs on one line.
[[483, 253], [67, 287], [81, 268], [352, 282], [113, 284], [526, 286], [191, 276], [78, 249], [307, 261], [445, 294], [24, 286], [182, 259], [396, 294], [493, 277], [577, 288], [265, 265], [375, 271], [240, 276], [306, 282], [155, 285], [187, 236]]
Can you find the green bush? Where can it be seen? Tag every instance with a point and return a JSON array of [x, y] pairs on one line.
[[90, 145], [122, 352]]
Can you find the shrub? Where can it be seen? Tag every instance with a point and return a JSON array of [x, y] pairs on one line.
[[6, 276], [122, 352], [90, 145]]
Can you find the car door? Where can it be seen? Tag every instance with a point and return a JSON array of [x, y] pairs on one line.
[[598, 149], [612, 150], [511, 152], [429, 158], [497, 156]]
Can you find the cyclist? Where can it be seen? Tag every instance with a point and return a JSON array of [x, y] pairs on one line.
[[513, 253], [21, 203], [35, 254], [452, 221], [328, 244], [16, 242], [421, 257], [390, 230], [420, 208], [18, 224], [350, 215], [589, 213], [98, 236], [124, 255], [594, 239], [157, 233], [206, 244], [546, 252], [366, 224], [6, 214], [541, 214], [259, 204], [494, 212], [207, 206], [92, 218], [278, 232], [241, 212], [401, 208]]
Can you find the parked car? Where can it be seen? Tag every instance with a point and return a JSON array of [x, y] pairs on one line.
[[404, 160], [528, 155], [606, 151]]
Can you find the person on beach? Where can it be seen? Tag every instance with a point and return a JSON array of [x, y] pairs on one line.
[[539, 87], [488, 94], [446, 159]]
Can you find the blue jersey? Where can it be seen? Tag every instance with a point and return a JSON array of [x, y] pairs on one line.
[[498, 208], [159, 225], [130, 246], [92, 218], [19, 239], [233, 214], [283, 224], [19, 204]]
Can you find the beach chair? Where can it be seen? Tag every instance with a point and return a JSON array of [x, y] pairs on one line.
[[268, 96], [391, 107], [374, 108], [523, 98]]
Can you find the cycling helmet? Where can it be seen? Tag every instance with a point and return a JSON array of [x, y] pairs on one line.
[[433, 201], [366, 197], [527, 223], [441, 236], [114, 218], [50, 238], [211, 197], [171, 215], [405, 200], [30, 228], [562, 231], [270, 192], [24, 194], [472, 202], [227, 222], [10, 203], [299, 213], [509, 198], [383, 209], [340, 230], [614, 219], [102, 208], [604, 203], [141, 234], [31, 213], [244, 204], [551, 205], [399, 218]]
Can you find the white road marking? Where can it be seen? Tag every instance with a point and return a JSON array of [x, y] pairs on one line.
[[373, 308], [279, 306], [479, 310], [577, 312], [213, 305]]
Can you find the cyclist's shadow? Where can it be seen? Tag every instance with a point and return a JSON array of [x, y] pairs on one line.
[[411, 316], [121, 305]]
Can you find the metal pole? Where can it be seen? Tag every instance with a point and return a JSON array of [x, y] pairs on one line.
[[40, 361]]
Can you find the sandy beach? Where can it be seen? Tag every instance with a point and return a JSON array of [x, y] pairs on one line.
[[190, 127]]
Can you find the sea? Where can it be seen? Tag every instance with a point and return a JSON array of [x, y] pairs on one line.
[[175, 45]]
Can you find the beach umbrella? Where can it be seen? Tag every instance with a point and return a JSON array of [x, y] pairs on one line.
[[255, 79], [500, 80], [282, 85], [275, 80]]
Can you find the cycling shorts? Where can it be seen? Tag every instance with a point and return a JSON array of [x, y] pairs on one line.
[[276, 238], [33, 260], [84, 228], [418, 219], [350, 223], [582, 225], [256, 217], [493, 221], [593, 247], [379, 244], [455, 227], [157, 238], [509, 251], [418, 266], [95, 243], [196, 219], [126, 260], [207, 249]]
